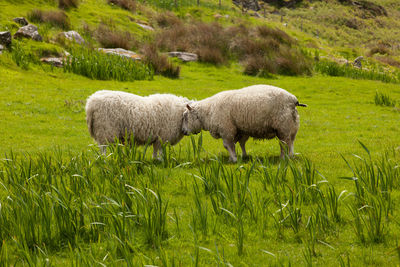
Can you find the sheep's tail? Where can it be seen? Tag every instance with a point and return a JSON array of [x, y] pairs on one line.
[[300, 104], [90, 121]]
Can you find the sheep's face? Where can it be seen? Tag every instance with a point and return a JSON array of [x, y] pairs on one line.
[[191, 123]]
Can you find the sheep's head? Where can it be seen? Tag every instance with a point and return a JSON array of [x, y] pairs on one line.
[[191, 123]]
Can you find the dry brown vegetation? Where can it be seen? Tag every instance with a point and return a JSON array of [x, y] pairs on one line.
[[389, 61], [380, 48], [160, 63], [167, 19], [109, 37], [66, 4], [261, 49], [55, 18], [125, 4]]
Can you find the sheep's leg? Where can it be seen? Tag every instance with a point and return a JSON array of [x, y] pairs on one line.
[[242, 143], [103, 149], [287, 147], [230, 146], [156, 148]]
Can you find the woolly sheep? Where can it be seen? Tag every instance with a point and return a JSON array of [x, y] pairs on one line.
[[156, 118], [259, 111]]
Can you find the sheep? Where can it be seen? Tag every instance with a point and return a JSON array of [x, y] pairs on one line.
[[153, 119], [258, 111]]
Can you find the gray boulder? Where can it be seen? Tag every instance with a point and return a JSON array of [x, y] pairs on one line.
[[29, 31], [55, 61], [146, 27], [357, 62], [21, 21], [5, 38], [247, 4], [184, 56], [73, 36], [121, 52]]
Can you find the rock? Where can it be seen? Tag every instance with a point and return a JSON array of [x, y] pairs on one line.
[[357, 62], [5, 38], [21, 21], [29, 31], [255, 14], [247, 4], [73, 36], [218, 16], [55, 61], [184, 56], [146, 27], [121, 52]]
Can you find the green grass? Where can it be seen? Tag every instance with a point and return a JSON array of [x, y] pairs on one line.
[[102, 66], [62, 202], [261, 211]]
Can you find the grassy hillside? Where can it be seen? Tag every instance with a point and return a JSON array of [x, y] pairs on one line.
[[335, 203]]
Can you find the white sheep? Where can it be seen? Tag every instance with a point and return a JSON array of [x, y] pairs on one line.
[[259, 111], [156, 118]]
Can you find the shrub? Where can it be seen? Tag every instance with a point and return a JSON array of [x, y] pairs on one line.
[[389, 61], [101, 66], [167, 19], [206, 40], [66, 4], [55, 18], [125, 4], [380, 48], [111, 38], [261, 49], [160, 63]]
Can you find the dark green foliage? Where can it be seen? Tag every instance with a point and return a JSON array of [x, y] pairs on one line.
[[335, 69], [382, 99], [101, 66]]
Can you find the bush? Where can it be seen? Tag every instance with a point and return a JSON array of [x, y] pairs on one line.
[[125, 4], [380, 48], [160, 63], [389, 61], [66, 4], [261, 49], [55, 18], [167, 19], [111, 38], [101, 66]]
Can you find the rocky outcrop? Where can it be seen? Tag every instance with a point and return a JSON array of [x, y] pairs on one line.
[[73, 36], [5, 38], [184, 56], [146, 27], [55, 61], [357, 62], [247, 4], [29, 31], [21, 21], [121, 52]]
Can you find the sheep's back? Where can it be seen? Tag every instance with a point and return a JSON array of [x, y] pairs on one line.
[[258, 111]]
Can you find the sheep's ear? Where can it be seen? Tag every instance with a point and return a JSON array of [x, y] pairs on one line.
[[189, 107]]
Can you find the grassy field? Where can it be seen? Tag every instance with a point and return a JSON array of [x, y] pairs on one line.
[[334, 204], [61, 202]]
